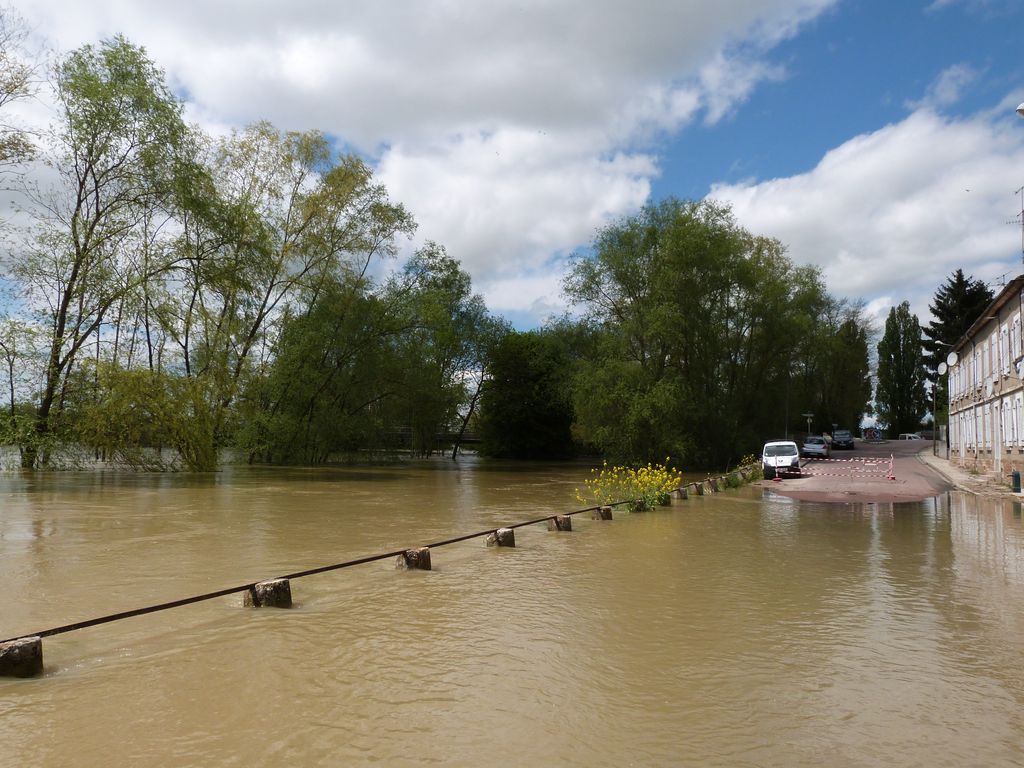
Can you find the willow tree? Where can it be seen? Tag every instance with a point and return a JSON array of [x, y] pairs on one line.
[[116, 153], [290, 223], [701, 324]]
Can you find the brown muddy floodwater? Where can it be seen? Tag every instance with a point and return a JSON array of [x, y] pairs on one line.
[[744, 629]]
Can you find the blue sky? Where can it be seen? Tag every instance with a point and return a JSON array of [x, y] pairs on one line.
[[857, 67], [852, 130]]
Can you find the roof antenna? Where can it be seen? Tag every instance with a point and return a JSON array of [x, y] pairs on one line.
[[1021, 217]]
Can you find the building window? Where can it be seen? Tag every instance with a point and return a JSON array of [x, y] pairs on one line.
[[1018, 413], [1007, 422], [1004, 350]]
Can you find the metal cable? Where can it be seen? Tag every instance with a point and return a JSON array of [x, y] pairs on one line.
[[297, 575]]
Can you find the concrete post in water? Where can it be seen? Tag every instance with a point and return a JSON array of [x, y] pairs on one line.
[[601, 513], [560, 523], [714, 484], [699, 488], [22, 657], [415, 559], [503, 537], [276, 593], [682, 493]]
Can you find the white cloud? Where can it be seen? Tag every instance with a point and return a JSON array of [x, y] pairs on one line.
[[902, 206], [511, 130], [947, 88], [506, 202], [729, 81]]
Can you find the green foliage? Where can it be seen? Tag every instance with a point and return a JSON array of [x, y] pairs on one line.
[[444, 326], [831, 377], [115, 149], [325, 389], [16, 74], [900, 397], [703, 332], [526, 409], [129, 416]]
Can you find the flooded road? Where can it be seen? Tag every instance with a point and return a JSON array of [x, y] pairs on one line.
[[742, 629]]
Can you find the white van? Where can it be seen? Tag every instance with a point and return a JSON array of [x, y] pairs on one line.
[[910, 436], [779, 457]]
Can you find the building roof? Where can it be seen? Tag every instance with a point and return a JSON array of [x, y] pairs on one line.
[[1010, 291]]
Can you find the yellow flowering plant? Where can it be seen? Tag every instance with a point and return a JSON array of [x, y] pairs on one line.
[[753, 464], [642, 487]]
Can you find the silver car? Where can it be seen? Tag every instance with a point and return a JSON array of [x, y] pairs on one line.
[[815, 447]]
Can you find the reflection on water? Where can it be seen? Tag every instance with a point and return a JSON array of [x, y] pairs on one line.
[[737, 629]]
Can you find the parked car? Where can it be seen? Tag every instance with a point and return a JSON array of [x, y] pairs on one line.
[[780, 457], [842, 439], [910, 436], [815, 446]]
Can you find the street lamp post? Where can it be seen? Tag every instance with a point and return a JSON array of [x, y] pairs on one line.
[[935, 419]]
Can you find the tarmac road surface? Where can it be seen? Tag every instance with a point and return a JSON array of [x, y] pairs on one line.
[[887, 471]]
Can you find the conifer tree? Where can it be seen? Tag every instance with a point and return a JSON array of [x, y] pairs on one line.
[[957, 304]]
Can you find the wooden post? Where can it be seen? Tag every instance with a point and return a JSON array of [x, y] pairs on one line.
[[601, 513], [699, 488], [415, 559], [560, 523], [503, 537], [714, 484], [276, 593], [682, 493], [22, 657]]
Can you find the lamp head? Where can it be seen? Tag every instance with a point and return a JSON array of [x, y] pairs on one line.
[[1020, 110]]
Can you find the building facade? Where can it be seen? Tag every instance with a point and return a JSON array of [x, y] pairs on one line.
[[986, 392]]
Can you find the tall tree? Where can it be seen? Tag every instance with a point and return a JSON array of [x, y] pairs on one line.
[[441, 344], [957, 304], [702, 327], [833, 379], [900, 396], [117, 151], [291, 223]]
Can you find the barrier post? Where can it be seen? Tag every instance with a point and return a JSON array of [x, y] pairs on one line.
[[22, 657], [414, 559], [560, 523], [503, 537], [276, 593]]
